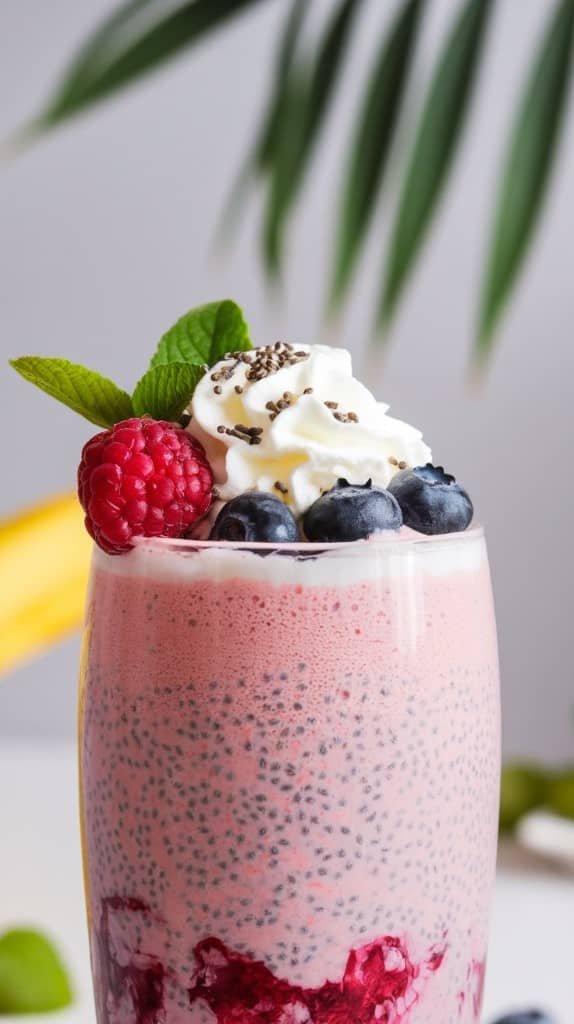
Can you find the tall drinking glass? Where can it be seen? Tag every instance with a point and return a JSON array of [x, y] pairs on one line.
[[290, 766]]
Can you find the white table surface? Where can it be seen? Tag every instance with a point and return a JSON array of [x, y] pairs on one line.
[[531, 951]]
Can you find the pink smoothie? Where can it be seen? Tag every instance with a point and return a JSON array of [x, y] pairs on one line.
[[290, 783]]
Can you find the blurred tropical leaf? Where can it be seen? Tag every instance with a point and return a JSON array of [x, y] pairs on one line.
[[306, 100], [93, 53], [439, 132], [528, 165], [371, 144], [259, 159], [44, 560], [267, 139], [134, 40], [142, 34]]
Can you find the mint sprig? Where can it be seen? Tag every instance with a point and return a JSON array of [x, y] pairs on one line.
[[198, 339], [33, 978], [164, 391], [98, 399], [204, 335]]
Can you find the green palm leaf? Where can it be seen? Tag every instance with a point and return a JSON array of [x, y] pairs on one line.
[[435, 144], [259, 159], [133, 41], [93, 54], [267, 139], [528, 164], [307, 97], [372, 143]]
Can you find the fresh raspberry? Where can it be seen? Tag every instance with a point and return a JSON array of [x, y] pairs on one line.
[[145, 478]]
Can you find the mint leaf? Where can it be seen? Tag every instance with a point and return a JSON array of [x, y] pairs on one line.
[[165, 390], [85, 391], [204, 335], [33, 979]]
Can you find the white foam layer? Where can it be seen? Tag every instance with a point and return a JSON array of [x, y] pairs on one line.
[[340, 565]]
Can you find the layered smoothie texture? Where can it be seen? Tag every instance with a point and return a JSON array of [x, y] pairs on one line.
[[290, 776]]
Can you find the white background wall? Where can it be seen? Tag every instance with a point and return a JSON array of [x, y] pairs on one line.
[[104, 235]]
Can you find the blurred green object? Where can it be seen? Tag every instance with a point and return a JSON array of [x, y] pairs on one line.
[[523, 787], [33, 978], [560, 796], [139, 36], [526, 786]]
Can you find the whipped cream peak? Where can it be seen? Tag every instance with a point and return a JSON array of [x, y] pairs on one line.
[[292, 420]]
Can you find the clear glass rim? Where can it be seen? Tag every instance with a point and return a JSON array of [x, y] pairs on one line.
[[381, 542]]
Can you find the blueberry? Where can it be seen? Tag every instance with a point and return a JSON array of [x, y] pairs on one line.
[[526, 1017], [349, 512], [256, 516], [431, 500]]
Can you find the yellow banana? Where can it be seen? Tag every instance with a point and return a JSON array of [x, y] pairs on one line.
[[44, 563]]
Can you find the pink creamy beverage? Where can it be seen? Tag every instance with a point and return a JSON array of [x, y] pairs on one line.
[[290, 781]]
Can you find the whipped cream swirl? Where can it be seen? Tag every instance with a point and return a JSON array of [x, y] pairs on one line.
[[292, 420]]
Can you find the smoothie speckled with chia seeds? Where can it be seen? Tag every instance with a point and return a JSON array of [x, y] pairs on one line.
[[290, 769]]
